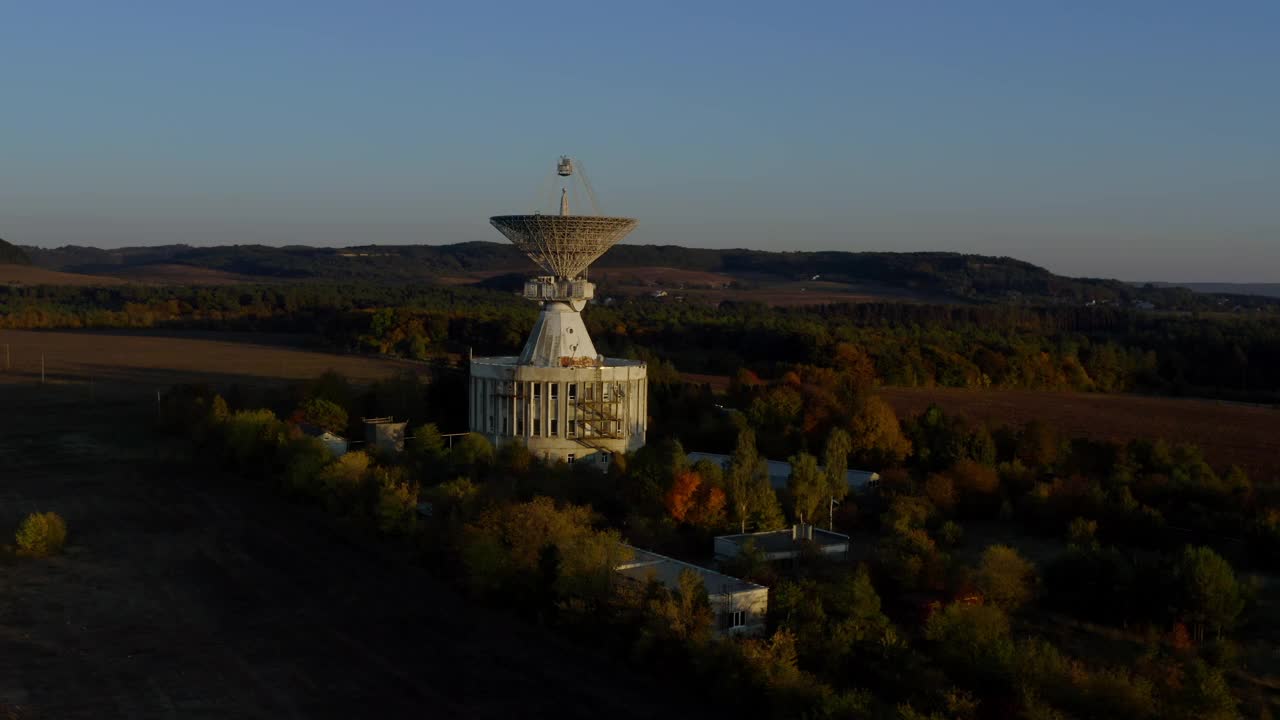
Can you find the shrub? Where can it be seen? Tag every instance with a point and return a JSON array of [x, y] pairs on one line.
[[42, 534]]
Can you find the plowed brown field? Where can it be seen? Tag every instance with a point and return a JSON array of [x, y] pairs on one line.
[[1229, 433]]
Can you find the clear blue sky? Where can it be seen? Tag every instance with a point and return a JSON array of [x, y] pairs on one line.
[[1130, 139]]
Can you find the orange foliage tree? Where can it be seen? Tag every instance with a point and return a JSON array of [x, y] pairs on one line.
[[695, 501]]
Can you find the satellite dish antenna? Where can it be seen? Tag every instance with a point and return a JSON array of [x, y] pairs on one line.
[[564, 244]]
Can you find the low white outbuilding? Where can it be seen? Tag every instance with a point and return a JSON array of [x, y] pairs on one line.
[[784, 544], [740, 607], [779, 471]]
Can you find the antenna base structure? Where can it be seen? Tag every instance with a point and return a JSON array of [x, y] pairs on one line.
[[559, 397]]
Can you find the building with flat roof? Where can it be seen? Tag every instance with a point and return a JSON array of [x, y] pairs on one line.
[[559, 397], [779, 471], [739, 606], [784, 544]]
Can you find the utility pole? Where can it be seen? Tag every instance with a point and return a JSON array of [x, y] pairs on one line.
[[831, 513], [41, 368]]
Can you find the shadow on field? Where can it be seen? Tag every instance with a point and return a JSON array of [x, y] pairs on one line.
[[184, 593]]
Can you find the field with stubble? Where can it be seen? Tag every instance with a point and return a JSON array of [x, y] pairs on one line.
[[1229, 433], [163, 358], [187, 593]]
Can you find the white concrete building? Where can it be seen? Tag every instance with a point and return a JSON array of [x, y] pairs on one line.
[[740, 607], [560, 397]]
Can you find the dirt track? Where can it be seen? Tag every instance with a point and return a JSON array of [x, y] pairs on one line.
[[184, 597]]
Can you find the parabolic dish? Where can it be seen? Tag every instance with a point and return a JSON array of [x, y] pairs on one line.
[[563, 245]]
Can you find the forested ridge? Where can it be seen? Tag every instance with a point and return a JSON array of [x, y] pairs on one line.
[[12, 254], [961, 277], [1102, 348]]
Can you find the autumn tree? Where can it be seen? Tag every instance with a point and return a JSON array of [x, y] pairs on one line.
[[1005, 578], [42, 534], [694, 501], [503, 548], [1039, 445], [941, 491], [875, 434], [342, 481]]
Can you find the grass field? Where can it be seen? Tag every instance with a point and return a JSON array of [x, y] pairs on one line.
[[159, 274], [186, 594], [159, 359], [1229, 433]]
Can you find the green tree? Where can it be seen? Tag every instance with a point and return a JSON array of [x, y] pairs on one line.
[[751, 498], [425, 452], [973, 639], [836, 456], [808, 487], [396, 511], [1211, 596], [472, 452], [1005, 577], [1204, 695], [305, 458], [334, 387], [855, 603], [252, 437], [42, 534], [322, 413], [695, 616], [342, 481]]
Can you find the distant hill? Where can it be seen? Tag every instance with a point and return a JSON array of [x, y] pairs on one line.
[[11, 254], [1262, 289], [731, 274]]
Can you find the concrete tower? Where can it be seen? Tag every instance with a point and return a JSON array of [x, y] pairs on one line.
[[559, 396]]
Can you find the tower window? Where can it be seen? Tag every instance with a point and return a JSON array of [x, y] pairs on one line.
[[553, 427], [570, 458], [573, 391]]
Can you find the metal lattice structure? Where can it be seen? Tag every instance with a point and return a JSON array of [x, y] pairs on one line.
[[563, 245]]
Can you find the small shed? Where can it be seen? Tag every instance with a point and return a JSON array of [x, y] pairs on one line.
[[384, 434], [336, 444]]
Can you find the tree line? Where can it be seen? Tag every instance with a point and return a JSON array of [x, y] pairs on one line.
[[1104, 349]]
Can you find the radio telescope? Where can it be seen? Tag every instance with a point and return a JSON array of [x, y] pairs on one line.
[[559, 397]]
